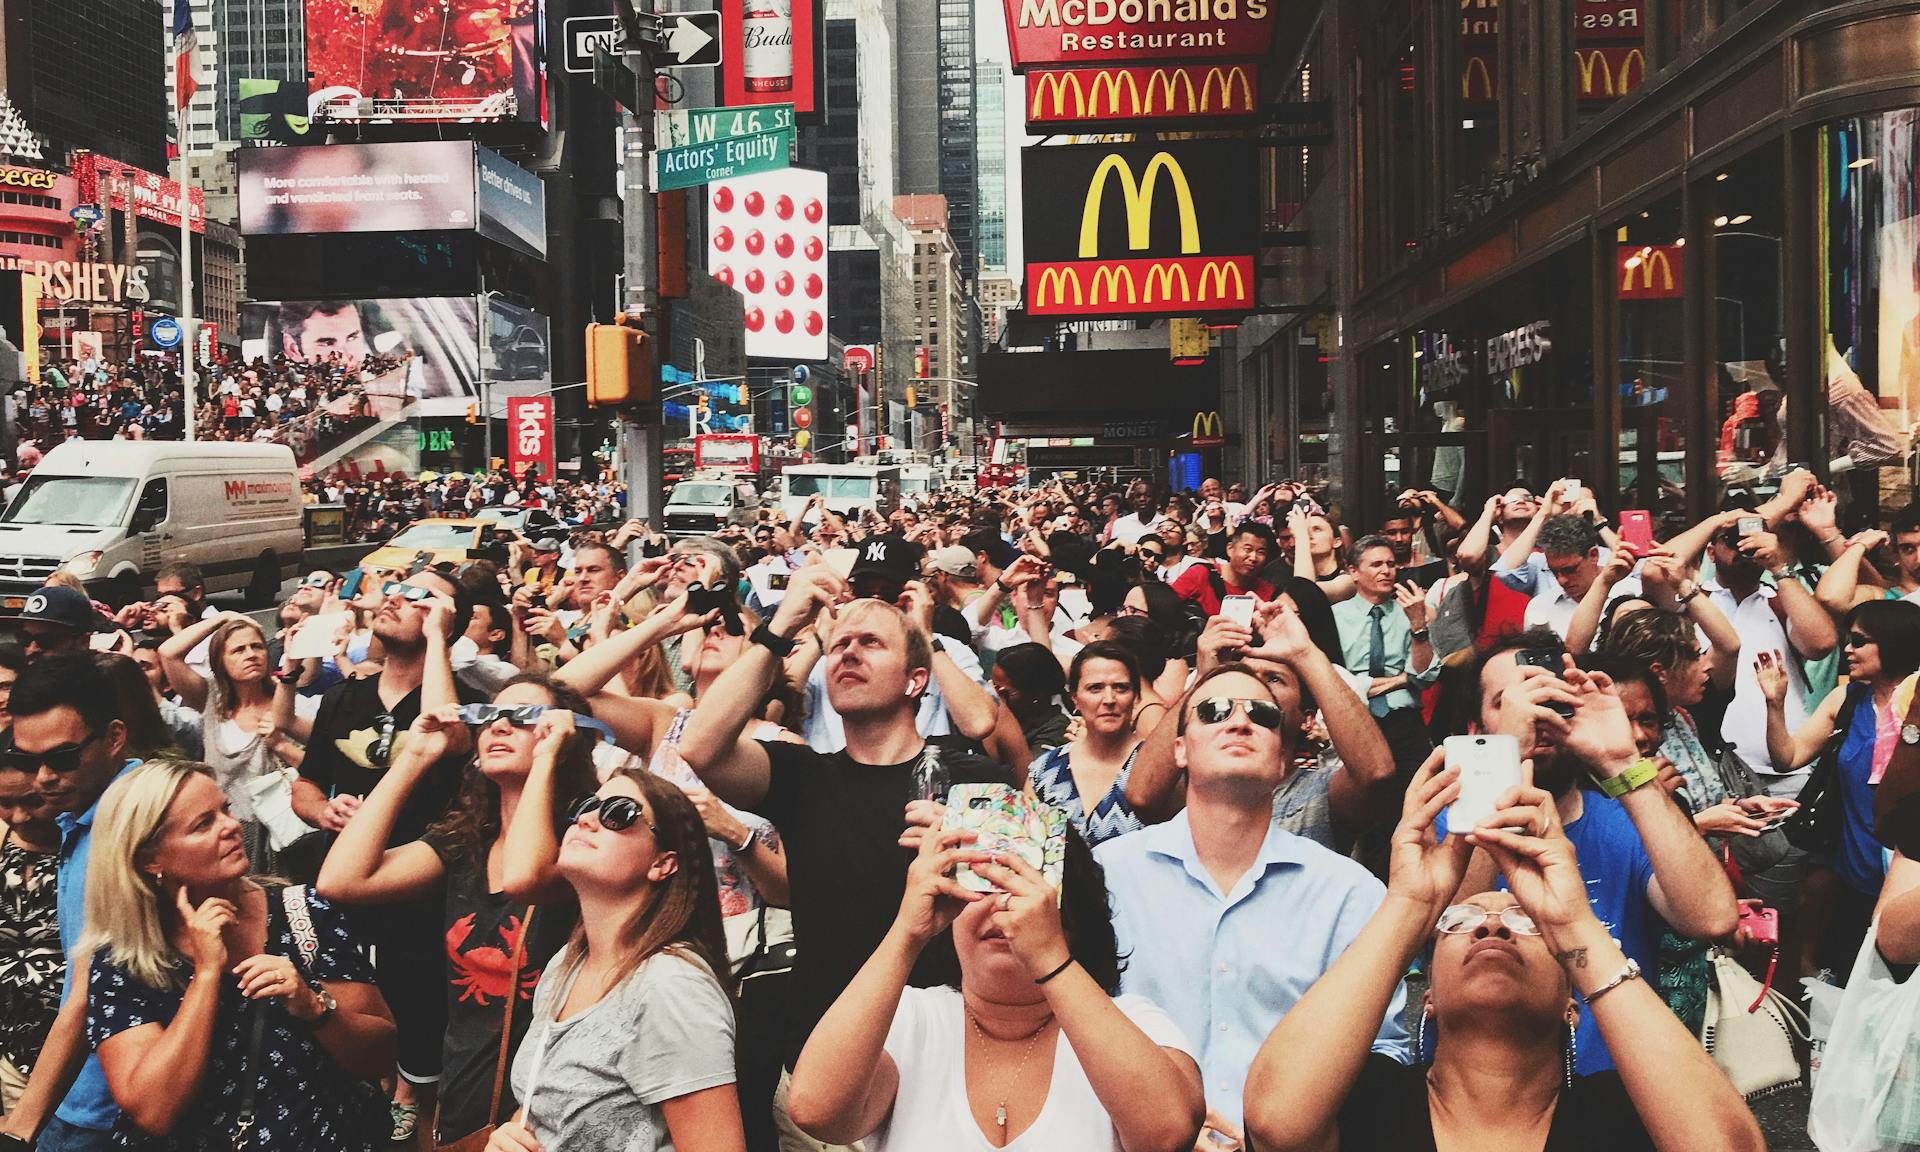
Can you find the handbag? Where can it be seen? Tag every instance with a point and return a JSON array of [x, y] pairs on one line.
[[476, 1141], [1867, 1096], [760, 943], [272, 796], [1750, 853], [1815, 826], [1750, 1030]]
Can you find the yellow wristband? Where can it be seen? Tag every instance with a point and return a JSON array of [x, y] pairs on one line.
[[1643, 772]]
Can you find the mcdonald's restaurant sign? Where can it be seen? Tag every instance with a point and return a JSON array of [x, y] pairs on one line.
[[1651, 271], [1608, 73], [1213, 93], [1165, 229], [1208, 430], [1086, 32]]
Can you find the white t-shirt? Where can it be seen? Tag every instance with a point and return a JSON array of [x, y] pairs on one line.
[[1129, 528], [928, 1044]]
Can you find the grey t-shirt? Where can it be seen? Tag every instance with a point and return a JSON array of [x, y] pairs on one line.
[[664, 1031]]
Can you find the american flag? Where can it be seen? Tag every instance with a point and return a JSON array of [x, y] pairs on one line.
[[183, 45]]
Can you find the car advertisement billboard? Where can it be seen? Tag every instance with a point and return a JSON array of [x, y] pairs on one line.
[[767, 240], [1141, 229], [517, 343], [449, 60], [422, 349], [412, 187], [1129, 31], [511, 203]]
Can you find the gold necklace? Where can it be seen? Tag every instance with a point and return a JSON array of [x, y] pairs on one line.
[[1000, 1109]]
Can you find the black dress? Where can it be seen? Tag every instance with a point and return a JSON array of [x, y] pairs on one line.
[[1387, 1111], [302, 1100]]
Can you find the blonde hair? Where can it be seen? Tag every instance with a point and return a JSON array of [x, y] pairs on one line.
[[123, 913], [919, 650], [223, 692]]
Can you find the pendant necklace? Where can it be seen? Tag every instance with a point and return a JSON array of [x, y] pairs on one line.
[[1032, 1038]]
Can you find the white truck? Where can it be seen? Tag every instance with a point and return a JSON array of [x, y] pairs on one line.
[[113, 512], [846, 488]]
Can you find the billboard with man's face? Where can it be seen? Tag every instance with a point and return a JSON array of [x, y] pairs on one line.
[[422, 349]]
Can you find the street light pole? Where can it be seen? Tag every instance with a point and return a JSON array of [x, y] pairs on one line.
[[640, 430]]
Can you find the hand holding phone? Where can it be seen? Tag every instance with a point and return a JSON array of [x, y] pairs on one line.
[[1750, 525], [1239, 609], [1636, 530], [1489, 766], [1550, 660]]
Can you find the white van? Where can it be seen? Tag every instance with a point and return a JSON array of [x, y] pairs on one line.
[[113, 512], [846, 488]]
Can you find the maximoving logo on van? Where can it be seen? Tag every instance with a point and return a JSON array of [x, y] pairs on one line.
[[255, 491]]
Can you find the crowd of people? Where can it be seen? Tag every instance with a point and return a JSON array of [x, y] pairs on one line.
[[1079, 817]]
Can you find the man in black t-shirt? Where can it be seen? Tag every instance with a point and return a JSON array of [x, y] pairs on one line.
[[839, 816]]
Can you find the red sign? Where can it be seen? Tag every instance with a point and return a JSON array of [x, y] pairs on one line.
[[766, 54], [154, 197], [858, 358], [803, 417], [1210, 92], [530, 435], [1651, 271], [1126, 31], [920, 368]]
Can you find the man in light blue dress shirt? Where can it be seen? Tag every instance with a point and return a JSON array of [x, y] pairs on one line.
[[1225, 918], [1383, 636]]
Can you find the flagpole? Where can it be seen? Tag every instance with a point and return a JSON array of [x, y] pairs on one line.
[[183, 87]]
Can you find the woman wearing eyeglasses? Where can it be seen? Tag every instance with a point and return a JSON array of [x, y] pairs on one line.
[[1497, 1025], [225, 1013], [1882, 639], [252, 722], [632, 1041], [462, 860], [1032, 1047]]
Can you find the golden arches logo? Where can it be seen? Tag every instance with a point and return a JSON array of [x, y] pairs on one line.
[[1059, 84], [1139, 201], [1160, 280], [1163, 81], [1476, 64], [1613, 82], [1227, 78], [1216, 273], [1161, 93], [1208, 429], [1650, 265], [1057, 279], [1110, 80], [1111, 277]]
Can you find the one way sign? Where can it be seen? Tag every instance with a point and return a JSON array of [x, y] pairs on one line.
[[691, 40]]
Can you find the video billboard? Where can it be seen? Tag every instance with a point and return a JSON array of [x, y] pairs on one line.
[[517, 343], [413, 187], [449, 60], [422, 349], [767, 240]]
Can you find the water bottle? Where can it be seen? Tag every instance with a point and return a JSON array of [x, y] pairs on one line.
[[930, 776]]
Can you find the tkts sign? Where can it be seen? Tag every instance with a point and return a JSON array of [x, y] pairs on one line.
[[1127, 31], [1215, 93], [1141, 229]]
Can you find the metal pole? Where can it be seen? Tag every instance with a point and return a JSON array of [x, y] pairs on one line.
[[640, 431], [189, 331], [486, 381]]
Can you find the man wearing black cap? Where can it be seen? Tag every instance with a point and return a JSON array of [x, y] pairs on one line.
[[57, 619], [956, 701]]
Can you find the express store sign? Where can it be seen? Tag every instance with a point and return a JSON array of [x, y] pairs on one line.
[[1124, 31]]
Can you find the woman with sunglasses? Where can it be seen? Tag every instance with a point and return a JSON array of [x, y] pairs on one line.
[[632, 1042], [252, 721], [225, 1012], [1087, 777], [1496, 1030], [1032, 1045], [462, 860], [1882, 640]]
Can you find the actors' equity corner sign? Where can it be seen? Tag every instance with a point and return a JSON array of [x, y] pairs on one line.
[[1128, 31], [1141, 229]]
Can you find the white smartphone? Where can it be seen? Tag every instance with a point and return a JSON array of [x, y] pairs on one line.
[[1489, 766], [1238, 609], [1570, 490]]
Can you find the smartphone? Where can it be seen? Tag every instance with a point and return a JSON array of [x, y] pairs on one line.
[[1489, 765], [101, 641], [1748, 525], [351, 587], [1004, 820], [1636, 530], [1764, 924], [1550, 660], [1570, 490], [317, 636], [1239, 609]]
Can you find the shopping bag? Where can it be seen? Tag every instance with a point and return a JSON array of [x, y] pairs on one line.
[[1868, 1096]]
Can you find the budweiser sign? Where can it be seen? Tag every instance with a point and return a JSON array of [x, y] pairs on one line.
[[1123, 31], [1215, 93]]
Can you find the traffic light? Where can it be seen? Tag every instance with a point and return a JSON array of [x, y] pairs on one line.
[[620, 367]]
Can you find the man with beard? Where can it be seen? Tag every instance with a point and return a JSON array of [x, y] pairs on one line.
[[355, 736], [1643, 861]]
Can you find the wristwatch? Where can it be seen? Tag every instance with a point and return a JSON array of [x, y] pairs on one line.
[[12, 1143], [764, 636], [1642, 773], [1910, 734], [327, 1004]]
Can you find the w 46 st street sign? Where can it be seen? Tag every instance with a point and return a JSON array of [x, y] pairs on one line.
[[681, 127]]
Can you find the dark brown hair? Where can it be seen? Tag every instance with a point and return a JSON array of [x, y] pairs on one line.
[[472, 824]]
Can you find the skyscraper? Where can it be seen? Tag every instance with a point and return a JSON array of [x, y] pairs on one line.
[[257, 40], [959, 147], [992, 147], [89, 74]]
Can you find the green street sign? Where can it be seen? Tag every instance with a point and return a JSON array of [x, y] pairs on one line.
[[697, 164], [679, 128], [800, 394]]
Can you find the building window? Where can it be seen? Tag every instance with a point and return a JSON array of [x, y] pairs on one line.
[[1650, 273], [1745, 230]]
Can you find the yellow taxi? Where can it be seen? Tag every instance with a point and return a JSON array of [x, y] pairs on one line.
[[444, 541]]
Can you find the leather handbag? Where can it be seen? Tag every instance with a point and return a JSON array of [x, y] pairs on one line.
[[476, 1141], [1815, 826], [1750, 853], [1751, 1030]]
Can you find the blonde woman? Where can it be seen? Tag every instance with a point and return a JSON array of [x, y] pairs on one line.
[[224, 1013]]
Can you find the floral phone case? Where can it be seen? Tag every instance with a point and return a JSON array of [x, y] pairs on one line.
[[1006, 821]]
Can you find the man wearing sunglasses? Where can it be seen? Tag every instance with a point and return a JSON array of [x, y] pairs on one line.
[[356, 733], [68, 732], [1225, 916]]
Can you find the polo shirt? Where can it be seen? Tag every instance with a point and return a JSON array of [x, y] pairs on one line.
[[1228, 965]]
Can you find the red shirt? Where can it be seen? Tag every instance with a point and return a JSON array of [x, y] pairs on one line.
[[1197, 586]]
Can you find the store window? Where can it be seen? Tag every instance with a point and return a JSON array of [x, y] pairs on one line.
[[1478, 147], [1869, 259], [1536, 356], [1650, 272], [1746, 222]]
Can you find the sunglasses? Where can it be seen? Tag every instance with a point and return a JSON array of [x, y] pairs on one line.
[[317, 580], [524, 716], [413, 593], [617, 813], [1859, 640], [1467, 917], [1151, 553], [61, 760], [1219, 709]]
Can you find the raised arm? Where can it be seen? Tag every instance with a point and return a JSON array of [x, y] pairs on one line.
[[1792, 751], [360, 868], [969, 705], [1475, 545], [1839, 587], [185, 679], [1810, 628], [1362, 791], [154, 1070], [1586, 618], [530, 863]]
